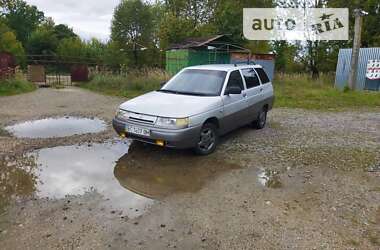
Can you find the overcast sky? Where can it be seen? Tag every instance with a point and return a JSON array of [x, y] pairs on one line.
[[88, 18]]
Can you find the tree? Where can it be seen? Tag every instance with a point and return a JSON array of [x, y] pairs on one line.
[[63, 31], [285, 56], [114, 56], [22, 18], [228, 17], [174, 29], [9, 43], [95, 49], [72, 50], [132, 26], [42, 42]]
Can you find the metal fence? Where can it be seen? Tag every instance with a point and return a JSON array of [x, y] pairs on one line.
[[50, 70], [344, 64]]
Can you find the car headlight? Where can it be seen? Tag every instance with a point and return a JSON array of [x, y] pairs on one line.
[[173, 123], [122, 114]]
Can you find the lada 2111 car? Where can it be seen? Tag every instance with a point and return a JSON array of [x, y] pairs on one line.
[[198, 105]]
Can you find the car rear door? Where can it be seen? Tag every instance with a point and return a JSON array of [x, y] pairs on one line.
[[267, 88], [254, 92], [234, 105]]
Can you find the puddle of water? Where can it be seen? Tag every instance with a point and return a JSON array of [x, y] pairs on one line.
[[130, 182], [270, 178], [56, 127], [155, 172]]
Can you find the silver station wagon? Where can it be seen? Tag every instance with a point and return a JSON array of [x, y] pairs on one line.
[[198, 105]]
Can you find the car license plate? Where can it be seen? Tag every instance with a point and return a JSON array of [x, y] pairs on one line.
[[137, 130]]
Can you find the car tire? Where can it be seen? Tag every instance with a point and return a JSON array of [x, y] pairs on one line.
[[208, 140], [261, 120]]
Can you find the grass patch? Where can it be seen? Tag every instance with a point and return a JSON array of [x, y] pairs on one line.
[[300, 91], [15, 86], [133, 84], [291, 90]]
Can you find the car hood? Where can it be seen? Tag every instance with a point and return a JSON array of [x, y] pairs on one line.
[[171, 105]]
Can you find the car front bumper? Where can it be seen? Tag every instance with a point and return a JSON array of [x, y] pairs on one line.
[[181, 138]]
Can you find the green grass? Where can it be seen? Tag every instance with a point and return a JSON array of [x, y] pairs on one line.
[[291, 90], [15, 86], [131, 85], [300, 91]]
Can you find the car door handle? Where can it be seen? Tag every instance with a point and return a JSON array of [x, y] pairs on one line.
[[261, 90], [244, 94]]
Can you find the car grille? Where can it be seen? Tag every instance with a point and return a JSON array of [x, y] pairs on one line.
[[141, 118]]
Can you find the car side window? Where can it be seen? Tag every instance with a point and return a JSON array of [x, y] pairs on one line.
[[235, 80], [251, 78], [263, 76]]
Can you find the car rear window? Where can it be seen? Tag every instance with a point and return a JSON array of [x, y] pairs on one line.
[[263, 76]]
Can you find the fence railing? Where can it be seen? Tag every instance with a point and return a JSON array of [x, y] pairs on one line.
[[6, 73]]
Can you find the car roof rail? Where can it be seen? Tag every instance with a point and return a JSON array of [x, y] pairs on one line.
[[245, 63]]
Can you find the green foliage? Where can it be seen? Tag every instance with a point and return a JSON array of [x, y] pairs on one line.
[[95, 48], [70, 48], [154, 25], [131, 85], [42, 41], [9, 43], [300, 91], [21, 17], [62, 31], [285, 57], [174, 29], [132, 26], [114, 56], [15, 86]]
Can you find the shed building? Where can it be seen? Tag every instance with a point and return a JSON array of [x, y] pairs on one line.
[[368, 77], [213, 50]]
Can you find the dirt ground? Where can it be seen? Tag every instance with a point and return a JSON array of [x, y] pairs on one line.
[[309, 180]]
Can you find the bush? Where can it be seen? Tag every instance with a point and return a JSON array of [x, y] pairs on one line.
[[130, 85], [14, 86]]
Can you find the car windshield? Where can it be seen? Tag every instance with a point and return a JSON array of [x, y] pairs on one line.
[[196, 82]]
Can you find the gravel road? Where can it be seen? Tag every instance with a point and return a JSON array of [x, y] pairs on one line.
[[309, 180]]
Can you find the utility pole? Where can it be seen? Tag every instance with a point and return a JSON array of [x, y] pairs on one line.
[[359, 14]]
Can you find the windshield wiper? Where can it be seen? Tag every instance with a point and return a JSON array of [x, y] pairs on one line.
[[183, 93], [195, 93], [168, 91]]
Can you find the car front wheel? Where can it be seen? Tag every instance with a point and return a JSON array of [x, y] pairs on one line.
[[208, 140]]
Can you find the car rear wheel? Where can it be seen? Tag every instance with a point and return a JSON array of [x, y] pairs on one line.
[[208, 140], [261, 120]]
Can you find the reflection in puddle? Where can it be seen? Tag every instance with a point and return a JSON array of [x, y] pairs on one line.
[[155, 172], [57, 127], [74, 170], [129, 182], [270, 178], [17, 179]]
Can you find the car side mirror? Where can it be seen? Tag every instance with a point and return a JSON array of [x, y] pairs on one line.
[[233, 90], [162, 84]]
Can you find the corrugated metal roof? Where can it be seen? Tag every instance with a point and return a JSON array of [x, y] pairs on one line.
[[195, 42], [344, 65]]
